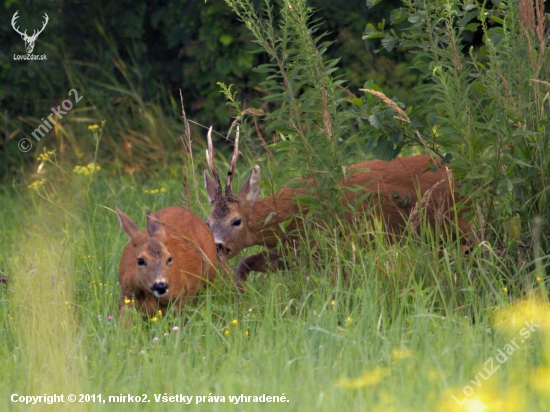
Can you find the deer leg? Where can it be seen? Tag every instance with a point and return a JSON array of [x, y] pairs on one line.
[[260, 262]]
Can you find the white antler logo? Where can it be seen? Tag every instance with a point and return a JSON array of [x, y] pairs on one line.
[[29, 40]]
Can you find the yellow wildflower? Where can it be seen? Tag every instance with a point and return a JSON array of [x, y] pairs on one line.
[[160, 313], [36, 184], [484, 399], [538, 279], [246, 333], [154, 319], [45, 155], [86, 170], [368, 378], [154, 191], [505, 289], [126, 301], [226, 332], [540, 380], [235, 322], [433, 375], [521, 314], [398, 354], [93, 127]]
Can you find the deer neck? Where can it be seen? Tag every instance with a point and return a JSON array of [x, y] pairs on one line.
[[264, 222]]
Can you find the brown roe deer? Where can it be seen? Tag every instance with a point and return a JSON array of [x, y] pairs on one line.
[[240, 221], [168, 262]]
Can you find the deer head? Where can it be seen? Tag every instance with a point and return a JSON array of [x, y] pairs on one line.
[[230, 215], [29, 40], [153, 261]]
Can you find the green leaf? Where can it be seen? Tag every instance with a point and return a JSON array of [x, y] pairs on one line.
[[522, 162], [307, 200], [472, 27], [226, 39], [369, 84], [447, 159], [372, 33], [397, 16], [389, 43], [373, 36], [384, 150], [375, 121], [512, 227], [268, 218], [356, 102], [264, 68], [372, 3], [467, 18]]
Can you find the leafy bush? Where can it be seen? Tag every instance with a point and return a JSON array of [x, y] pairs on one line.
[[488, 106]]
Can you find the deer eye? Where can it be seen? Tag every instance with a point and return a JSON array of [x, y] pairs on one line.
[[141, 262], [169, 261], [236, 222]]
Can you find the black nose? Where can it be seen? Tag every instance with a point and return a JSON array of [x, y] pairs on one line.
[[221, 249], [160, 288]]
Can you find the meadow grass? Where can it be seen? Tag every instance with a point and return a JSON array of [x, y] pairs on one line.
[[357, 323]]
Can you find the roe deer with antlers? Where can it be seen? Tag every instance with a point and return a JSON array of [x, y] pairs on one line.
[[240, 221], [169, 262]]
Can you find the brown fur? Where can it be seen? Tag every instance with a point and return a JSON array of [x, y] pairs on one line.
[[394, 186], [190, 243]]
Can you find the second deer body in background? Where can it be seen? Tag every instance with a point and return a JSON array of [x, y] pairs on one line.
[[243, 220]]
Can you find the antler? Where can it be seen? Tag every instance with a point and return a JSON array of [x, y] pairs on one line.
[[15, 17], [230, 172], [35, 34], [210, 161]]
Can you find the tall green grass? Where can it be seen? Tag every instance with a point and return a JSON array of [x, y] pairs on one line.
[[355, 323]]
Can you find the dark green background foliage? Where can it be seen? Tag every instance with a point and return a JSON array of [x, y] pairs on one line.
[[122, 55], [462, 72]]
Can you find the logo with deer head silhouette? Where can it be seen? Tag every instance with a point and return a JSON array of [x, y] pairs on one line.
[[29, 40]]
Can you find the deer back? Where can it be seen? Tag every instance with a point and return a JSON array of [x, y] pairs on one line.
[[393, 186]]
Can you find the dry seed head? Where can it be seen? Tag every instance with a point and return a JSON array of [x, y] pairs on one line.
[[402, 115]]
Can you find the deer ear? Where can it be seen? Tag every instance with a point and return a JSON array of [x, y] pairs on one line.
[[155, 228], [251, 189], [134, 234], [211, 187]]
